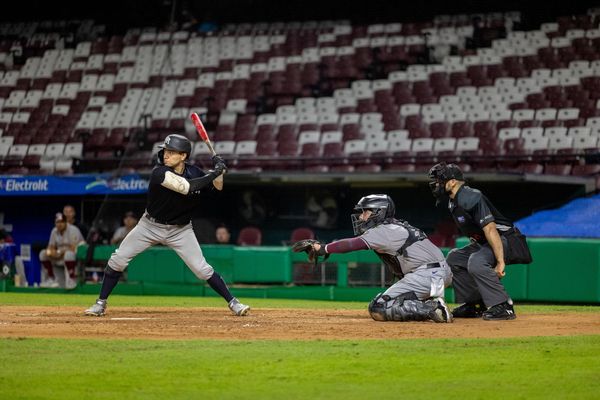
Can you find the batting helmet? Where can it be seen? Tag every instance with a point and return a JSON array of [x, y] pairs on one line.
[[382, 207], [175, 142]]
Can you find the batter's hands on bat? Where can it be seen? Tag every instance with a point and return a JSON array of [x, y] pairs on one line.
[[220, 168], [217, 159]]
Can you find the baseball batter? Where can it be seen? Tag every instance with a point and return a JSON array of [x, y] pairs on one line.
[[419, 293], [173, 194]]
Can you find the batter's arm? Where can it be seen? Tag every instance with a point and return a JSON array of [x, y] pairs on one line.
[[188, 186]]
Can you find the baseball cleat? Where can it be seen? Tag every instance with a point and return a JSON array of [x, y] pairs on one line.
[[469, 310], [238, 308], [441, 312], [500, 312], [98, 309]]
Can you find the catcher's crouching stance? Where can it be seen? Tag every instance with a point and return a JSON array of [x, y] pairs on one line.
[[420, 265]]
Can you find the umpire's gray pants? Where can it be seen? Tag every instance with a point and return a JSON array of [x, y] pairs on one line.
[[475, 278], [423, 282], [180, 238]]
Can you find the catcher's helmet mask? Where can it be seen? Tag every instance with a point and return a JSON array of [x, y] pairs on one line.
[[382, 208], [174, 142]]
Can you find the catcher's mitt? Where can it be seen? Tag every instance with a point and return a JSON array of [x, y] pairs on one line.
[[307, 245]]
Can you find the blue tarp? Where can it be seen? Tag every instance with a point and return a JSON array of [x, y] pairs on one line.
[[578, 219], [72, 185]]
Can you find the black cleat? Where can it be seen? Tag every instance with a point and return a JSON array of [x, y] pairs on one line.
[[500, 312], [468, 310]]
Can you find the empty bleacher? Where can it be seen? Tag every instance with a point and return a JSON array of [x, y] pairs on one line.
[[312, 96]]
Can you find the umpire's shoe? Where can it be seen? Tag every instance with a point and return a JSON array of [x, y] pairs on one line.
[[499, 312], [238, 308], [469, 310], [98, 309]]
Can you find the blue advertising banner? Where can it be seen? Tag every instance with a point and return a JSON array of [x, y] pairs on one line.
[[72, 185]]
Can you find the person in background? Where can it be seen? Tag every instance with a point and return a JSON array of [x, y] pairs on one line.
[[129, 222], [70, 214], [61, 250], [222, 234]]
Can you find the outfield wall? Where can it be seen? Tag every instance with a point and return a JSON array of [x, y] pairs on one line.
[[563, 270]]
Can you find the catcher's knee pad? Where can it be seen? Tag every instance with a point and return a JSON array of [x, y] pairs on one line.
[[377, 307]]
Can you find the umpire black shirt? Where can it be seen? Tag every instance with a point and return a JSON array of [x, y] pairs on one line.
[[472, 211]]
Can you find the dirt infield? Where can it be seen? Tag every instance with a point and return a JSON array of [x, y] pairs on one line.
[[270, 323]]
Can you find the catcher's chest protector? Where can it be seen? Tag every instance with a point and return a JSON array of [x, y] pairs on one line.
[[391, 261]]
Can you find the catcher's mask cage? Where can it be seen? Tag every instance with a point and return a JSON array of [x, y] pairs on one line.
[[381, 206], [175, 142]]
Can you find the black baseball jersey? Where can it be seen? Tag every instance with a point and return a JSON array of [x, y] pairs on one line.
[[472, 211], [168, 206]]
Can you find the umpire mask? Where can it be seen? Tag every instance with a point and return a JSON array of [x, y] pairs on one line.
[[439, 175]]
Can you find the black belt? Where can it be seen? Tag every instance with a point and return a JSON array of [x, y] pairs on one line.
[[157, 221], [509, 231], [433, 265]]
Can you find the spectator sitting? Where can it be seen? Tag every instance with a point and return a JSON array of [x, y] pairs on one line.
[[222, 234], [129, 222], [70, 213], [61, 249]]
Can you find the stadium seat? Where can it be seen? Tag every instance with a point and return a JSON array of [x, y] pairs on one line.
[[301, 234], [249, 236]]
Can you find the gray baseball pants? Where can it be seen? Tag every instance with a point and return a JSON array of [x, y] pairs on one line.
[[474, 276], [180, 238], [424, 282]]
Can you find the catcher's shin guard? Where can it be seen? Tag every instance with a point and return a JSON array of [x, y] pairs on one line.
[[401, 309]]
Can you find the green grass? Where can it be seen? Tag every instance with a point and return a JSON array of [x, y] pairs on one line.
[[532, 368], [516, 368], [61, 299]]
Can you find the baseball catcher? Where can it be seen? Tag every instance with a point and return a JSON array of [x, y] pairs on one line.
[[423, 273]]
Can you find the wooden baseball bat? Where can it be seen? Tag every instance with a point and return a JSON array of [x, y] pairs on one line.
[[218, 182]]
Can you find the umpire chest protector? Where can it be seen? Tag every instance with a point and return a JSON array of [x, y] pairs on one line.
[[414, 235]]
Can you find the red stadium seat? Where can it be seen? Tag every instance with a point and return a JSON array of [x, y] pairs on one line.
[[249, 236]]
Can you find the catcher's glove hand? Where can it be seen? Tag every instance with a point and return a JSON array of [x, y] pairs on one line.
[[307, 245]]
